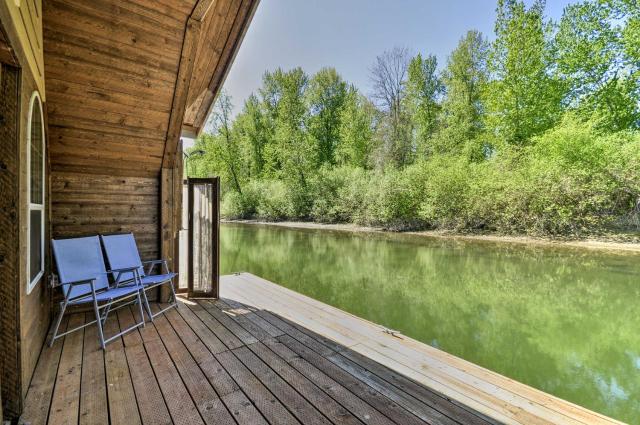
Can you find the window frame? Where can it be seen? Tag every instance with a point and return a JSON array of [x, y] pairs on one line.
[[35, 207]]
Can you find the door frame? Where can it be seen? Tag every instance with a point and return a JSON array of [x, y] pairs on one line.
[[215, 237]]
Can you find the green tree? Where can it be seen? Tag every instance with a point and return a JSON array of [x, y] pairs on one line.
[[357, 125], [465, 79], [253, 129], [423, 89], [523, 100], [598, 58], [325, 99], [292, 154]]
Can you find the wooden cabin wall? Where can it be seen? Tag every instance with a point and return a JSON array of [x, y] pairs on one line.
[[34, 307], [9, 243], [22, 25], [116, 104], [110, 72]]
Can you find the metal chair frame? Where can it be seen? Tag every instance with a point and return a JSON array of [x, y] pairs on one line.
[[173, 301], [106, 306]]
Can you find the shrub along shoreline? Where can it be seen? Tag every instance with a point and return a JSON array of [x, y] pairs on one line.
[[572, 181]]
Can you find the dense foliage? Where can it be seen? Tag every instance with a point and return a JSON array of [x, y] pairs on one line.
[[537, 131]]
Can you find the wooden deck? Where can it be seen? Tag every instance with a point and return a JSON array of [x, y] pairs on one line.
[[264, 354], [485, 391], [223, 362]]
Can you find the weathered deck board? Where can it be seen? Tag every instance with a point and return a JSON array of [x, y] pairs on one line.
[[232, 361], [465, 383], [123, 408], [93, 397]]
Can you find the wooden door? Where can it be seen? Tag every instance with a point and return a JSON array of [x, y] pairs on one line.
[[204, 237]]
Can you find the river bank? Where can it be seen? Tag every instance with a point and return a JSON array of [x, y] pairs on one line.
[[614, 243]]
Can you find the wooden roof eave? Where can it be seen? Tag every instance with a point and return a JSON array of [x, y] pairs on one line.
[[189, 56], [217, 75]]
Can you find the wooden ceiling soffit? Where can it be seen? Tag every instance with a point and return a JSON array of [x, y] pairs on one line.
[[193, 33], [191, 43], [202, 96], [187, 58], [185, 71], [201, 9]]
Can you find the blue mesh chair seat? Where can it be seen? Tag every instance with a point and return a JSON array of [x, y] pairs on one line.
[[109, 295], [122, 253], [84, 279], [157, 279]]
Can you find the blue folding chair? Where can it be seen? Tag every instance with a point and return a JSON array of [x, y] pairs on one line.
[[84, 279], [122, 252]]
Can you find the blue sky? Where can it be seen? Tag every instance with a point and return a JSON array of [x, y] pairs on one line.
[[349, 34]]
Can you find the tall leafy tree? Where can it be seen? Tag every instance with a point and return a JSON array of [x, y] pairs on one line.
[[253, 129], [357, 126], [599, 59], [423, 89], [523, 99], [325, 98], [292, 152], [465, 78]]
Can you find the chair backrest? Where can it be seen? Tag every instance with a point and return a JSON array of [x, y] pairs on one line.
[[78, 259], [122, 252]]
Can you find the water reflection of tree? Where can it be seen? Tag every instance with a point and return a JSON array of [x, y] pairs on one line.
[[559, 320]]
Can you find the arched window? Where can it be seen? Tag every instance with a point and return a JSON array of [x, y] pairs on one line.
[[35, 192]]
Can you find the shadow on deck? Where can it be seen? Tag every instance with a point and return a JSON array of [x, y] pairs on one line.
[[223, 362]]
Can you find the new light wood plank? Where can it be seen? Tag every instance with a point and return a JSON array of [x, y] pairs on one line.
[[348, 331], [396, 380], [486, 391]]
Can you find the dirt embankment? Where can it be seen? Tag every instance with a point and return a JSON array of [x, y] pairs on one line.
[[619, 243]]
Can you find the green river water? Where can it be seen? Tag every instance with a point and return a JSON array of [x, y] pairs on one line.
[[566, 321]]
